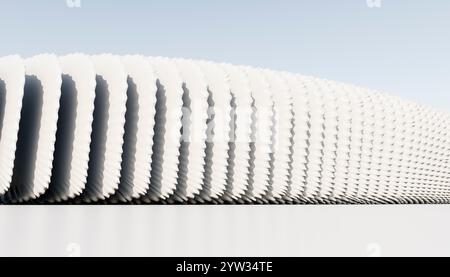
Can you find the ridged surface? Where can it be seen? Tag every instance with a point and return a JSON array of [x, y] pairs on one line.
[[110, 69], [218, 129], [195, 114], [165, 169], [12, 76], [81, 71], [133, 129], [142, 76], [47, 70]]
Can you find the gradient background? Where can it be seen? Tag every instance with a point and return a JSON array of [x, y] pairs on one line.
[[401, 47]]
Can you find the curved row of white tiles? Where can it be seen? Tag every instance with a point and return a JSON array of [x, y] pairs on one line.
[[134, 129]]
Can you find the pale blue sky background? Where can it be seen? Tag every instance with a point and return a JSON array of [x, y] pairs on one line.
[[403, 47]]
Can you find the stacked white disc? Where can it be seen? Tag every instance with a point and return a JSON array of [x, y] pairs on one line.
[[135, 129]]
